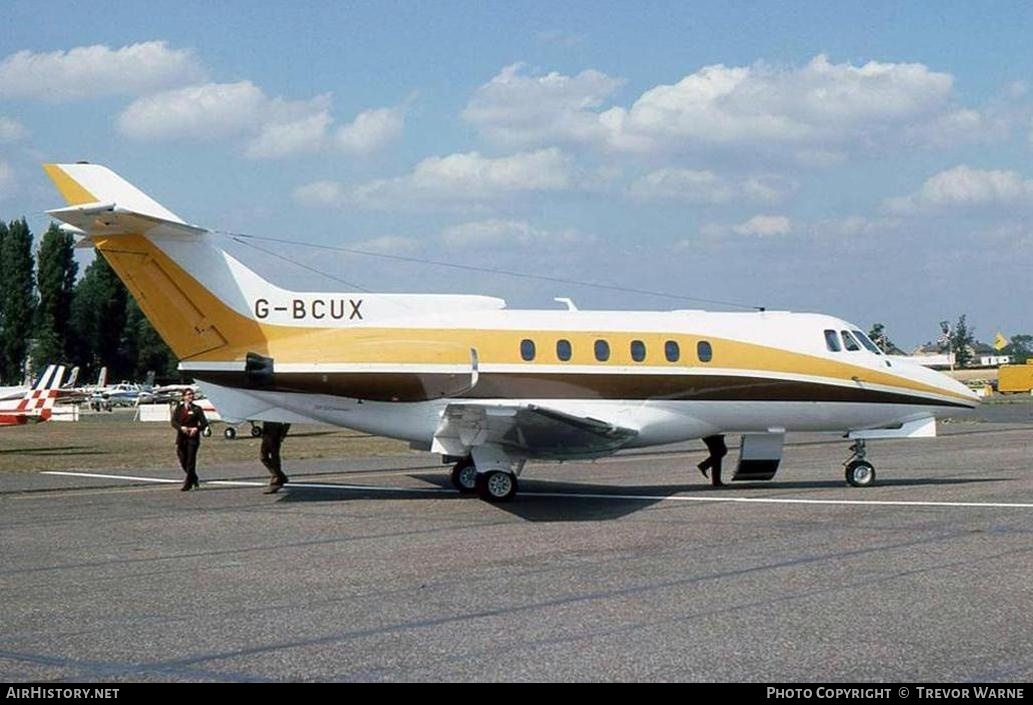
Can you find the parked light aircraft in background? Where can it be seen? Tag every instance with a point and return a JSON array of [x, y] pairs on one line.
[[488, 387], [35, 404]]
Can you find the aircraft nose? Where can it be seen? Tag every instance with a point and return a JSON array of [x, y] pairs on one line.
[[954, 386]]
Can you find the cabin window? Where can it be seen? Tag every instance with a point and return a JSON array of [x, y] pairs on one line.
[[602, 350], [527, 349], [867, 342], [832, 341], [704, 352], [563, 350], [638, 350], [671, 351], [848, 341]]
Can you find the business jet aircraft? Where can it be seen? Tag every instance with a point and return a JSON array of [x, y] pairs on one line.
[[37, 403], [488, 387]]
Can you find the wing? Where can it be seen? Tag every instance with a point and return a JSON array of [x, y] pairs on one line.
[[527, 429]]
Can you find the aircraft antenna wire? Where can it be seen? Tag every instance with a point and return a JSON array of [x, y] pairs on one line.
[[245, 239]]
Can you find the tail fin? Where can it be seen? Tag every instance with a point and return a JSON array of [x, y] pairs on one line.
[[38, 402], [136, 235], [95, 185]]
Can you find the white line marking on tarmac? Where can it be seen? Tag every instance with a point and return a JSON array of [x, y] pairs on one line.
[[571, 495], [249, 483]]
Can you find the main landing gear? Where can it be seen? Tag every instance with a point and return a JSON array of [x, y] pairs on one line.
[[496, 484], [464, 476], [859, 472]]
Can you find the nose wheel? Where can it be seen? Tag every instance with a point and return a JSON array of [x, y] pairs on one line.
[[859, 472]]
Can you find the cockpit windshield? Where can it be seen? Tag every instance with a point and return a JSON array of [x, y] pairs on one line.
[[867, 342], [852, 341]]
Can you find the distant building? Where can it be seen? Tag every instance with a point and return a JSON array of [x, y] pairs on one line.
[[994, 360], [937, 356]]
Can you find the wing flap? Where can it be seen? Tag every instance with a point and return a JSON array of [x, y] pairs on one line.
[[530, 429]]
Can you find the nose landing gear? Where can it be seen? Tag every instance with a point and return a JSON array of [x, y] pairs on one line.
[[859, 472]]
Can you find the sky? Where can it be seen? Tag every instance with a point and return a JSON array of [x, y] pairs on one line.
[[870, 160]]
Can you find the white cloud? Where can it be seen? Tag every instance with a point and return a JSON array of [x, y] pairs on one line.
[[965, 187], [326, 194], [371, 130], [85, 72], [706, 187], [208, 111], [758, 225], [853, 226], [287, 137], [804, 108], [497, 234], [513, 108], [269, 127], [764, 226], [444, 182]]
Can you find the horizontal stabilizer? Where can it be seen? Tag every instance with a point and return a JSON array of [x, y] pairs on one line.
[[112, 219]]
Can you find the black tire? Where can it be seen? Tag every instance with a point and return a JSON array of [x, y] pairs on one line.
[[230, 433], [256, 431], [496, 486], [464, 476], [860, 473]]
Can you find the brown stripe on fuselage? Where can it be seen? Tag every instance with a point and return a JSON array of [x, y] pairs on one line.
[[416, 386]]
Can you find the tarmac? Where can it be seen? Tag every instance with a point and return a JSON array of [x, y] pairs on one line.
[[629, 568]]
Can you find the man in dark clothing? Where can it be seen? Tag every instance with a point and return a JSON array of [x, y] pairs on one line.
[[718, 450], [273, 434], [189, 421]]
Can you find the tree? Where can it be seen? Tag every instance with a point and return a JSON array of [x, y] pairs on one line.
[[879, 337], [962, 339], [3, 236], [1020, 348], [17, 298], [55, 279]]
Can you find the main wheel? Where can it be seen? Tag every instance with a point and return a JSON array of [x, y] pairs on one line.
[[860, 473], [230, 433], [464, 476], [256, 431], [496, 486]]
